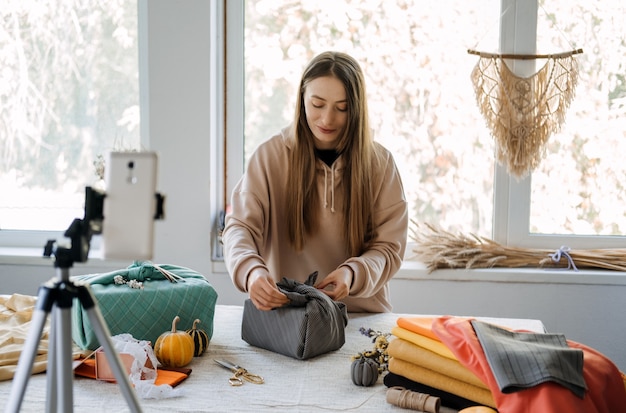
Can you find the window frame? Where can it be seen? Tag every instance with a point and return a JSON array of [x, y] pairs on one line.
[[30, 242], [512, 196], [235, 91]]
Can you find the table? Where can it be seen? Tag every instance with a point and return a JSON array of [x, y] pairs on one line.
[[321, 384]]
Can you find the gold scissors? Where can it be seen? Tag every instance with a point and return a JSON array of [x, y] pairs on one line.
[[240, 374]]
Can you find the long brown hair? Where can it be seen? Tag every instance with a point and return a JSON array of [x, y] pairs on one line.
[[356, 146]]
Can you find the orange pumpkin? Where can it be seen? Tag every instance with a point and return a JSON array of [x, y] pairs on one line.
[[174, 348]]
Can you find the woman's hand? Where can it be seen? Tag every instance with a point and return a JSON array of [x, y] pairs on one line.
[[337, 284], [263, 291]]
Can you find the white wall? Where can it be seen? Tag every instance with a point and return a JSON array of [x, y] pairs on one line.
[[175, 121], [586, 307]]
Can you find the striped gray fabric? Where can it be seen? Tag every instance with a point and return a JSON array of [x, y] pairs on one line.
[[310, 325], [521, 360]]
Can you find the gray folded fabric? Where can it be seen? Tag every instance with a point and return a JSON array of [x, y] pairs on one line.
[[521, 360]]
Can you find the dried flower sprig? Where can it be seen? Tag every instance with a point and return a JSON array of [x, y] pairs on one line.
[[379, 353], [121, 280]]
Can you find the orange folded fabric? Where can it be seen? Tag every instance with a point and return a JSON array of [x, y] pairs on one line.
[[419, 325], [87, 368], [171, 377]]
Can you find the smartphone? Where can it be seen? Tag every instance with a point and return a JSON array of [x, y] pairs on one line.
[[130, 204]]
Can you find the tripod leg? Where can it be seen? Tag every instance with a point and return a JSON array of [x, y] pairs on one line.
[[104, 337], [51, 369], [44, 304], [65, 373]]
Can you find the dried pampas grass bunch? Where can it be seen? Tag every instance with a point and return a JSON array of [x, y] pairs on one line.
[[438, 248]]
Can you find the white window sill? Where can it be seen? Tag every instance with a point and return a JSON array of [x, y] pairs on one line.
[[411, 270], [35, 257]]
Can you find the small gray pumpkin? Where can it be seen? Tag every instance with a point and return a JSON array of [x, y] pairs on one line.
[[364, 371]]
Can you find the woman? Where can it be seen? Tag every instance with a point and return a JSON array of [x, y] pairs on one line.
[[320, 196]]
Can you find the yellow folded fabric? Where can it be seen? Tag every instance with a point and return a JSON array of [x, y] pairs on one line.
[[15, 315], [437, 380], [423, 341], [16, 312], [407, 351]]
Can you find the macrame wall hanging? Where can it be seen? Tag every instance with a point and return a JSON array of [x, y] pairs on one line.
[[523, 112]]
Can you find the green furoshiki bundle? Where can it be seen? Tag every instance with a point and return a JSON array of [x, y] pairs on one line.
[[142, 300]]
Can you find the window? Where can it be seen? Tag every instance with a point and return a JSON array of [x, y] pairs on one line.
[[423, 108], [69, 92], [575, 197]]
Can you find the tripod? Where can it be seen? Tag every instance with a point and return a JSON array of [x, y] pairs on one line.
[[56, 297]]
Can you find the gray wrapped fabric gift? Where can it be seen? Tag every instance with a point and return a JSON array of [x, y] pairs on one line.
[[310, 325]]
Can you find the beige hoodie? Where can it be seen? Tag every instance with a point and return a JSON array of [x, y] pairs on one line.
[[255, 233]]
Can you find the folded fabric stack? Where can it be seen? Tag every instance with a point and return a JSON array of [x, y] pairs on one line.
[[544, 386], [419, 361], [467, 362]]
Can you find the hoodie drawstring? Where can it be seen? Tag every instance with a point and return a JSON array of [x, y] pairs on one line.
[[325, 188], [332, 188]]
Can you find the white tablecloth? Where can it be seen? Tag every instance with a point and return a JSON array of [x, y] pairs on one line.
[[321, 384]]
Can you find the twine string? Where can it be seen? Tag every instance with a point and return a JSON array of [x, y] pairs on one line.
[[409, 399], [564, 251]]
